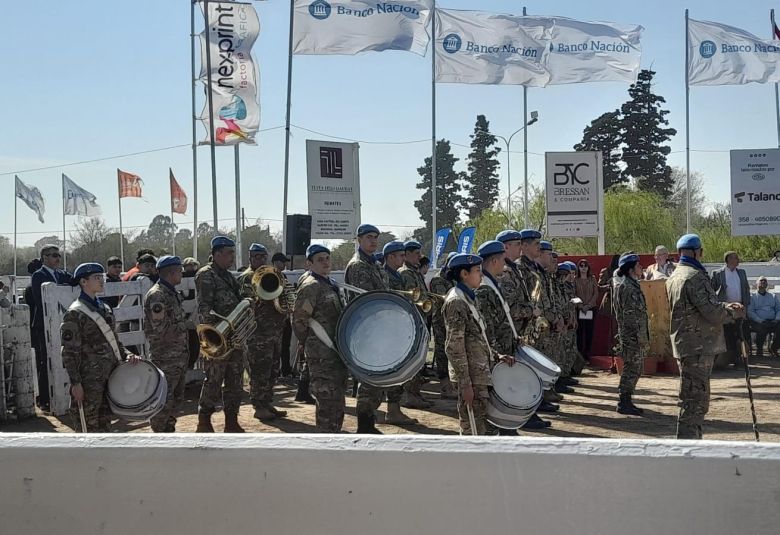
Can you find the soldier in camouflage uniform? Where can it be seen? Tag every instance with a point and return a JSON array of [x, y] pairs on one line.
[[696, 330], [413, 279], [512, 284], [88, 355], [315, 316], [568, 338], [166, 331], [303, 394], [219, 293], [439, 286], [265, 345], [630, 308]]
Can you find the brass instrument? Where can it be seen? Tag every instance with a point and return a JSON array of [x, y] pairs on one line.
[[415, 295], [267, 283], [232, 331], [285, 303]]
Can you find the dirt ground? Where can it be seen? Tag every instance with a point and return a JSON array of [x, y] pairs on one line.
[[590, 412]]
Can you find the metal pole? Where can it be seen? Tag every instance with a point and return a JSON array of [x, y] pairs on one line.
[[777, 91], [508, 186], [64, 254], [13, 283], [287, 127], [194, 136], [121, 234], [212, 149], [239, 250], [173, 232], [434, 180], [687, 131], [526, 218]]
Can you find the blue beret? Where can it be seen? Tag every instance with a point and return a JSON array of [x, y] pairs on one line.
[[378, 257], [689, 241], [412, 245], [450, 255], [393, 247], [627, 259], [566, 266], [490, 248], [258, 248], [365, 229], [85, 270], [572, 265], [464, 260], [168, 260], [508, 235], [221, 241], [313, 249], [546, 246], [530, 234]]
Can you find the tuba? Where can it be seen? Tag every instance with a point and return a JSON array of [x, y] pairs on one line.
[[232, 331]]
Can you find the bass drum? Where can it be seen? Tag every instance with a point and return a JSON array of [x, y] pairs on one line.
[[546, 368], [137, 391], [515, 396], [382, 339]]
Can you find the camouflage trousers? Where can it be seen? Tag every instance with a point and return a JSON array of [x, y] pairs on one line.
[[633, 364], [439, 355], [263, 360], [328, 386], [369, 397], [229, 372], [97, 412], [695, 371], [175, 373], [569, 351], [479, 407], [549, 344]]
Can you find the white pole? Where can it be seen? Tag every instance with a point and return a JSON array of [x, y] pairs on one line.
[[173, 226], [508, 186], [687, 131], [64, 254], [239, 250], [777, 91], [13, 282], [287, 127], [209, 93], [121, 234], [434, 180], [527, 218], [602, 231], [194, 135]]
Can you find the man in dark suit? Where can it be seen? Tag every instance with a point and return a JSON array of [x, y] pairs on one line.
[[49, 272], [732, 286]]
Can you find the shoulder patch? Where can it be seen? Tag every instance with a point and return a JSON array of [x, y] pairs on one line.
[[158, 311]]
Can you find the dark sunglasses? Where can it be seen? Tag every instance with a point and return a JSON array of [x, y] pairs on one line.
[[583, 264]]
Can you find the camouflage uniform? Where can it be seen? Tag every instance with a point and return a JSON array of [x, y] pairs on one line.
[[633, 335], [439, 286], [264, 347], [539, 285], [166, 331], [219, 291], [365, 273], [89, 359], [697, 337], [499, 333], [318, 299], [570, 335], [514, 289], [469, 360], [413, 279]]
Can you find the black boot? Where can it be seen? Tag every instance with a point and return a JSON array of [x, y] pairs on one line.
[[570, 381], [536, 423], [631, 402], [366, 425], [625, 406], [507, 432], [303, 392], [547, 406], [562, 388]]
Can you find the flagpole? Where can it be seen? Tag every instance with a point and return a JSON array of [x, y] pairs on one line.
[[777, 91], [239, 250], [287, 127], [194, 136], [121, 233], [526, 216], [64, 254], [434, 180], [16, 202], [211, 115], [687, 130], [173, 227]]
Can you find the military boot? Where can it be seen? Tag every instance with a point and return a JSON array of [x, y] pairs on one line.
[[231, 423], [263, 412], [625, 406], [562, 388], [447, 391], [276, 412], [552, 396], [411, 400], [570, 381], [366, 425], [396, 417], [303, 394], [631, 401], [204, 423]]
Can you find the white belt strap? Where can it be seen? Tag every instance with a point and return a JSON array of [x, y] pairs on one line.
[[321, 334], [79, 306], [474, 313], [488, 282]]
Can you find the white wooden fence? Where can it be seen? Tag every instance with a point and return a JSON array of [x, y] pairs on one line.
[[17, 364]]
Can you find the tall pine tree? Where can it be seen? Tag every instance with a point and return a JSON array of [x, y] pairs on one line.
[[604, 134], [482, 177], [448, 188], [644, 135]]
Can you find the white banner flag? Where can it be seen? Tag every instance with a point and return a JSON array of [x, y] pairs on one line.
[[31, 196], [78, 201], [593, 52], [234, 27], [475, 47], [725, 55], [333, 176], [354, 26]]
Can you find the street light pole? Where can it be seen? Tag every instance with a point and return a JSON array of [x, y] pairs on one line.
[[508, 143]]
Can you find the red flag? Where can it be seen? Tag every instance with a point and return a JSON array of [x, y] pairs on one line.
[[130, 185], [178, 197]]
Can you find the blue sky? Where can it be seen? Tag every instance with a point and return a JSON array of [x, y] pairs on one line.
[[89, 79]]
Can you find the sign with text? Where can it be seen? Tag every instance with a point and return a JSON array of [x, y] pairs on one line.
[[333, 183], [755, 192], [573, 187]]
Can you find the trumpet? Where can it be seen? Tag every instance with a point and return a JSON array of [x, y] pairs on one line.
[[415, 295]]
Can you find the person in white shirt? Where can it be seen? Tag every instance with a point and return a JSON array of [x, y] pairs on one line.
[[731, 285], [663, 266]]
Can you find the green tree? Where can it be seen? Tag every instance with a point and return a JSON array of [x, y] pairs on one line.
[[644, 138], [604, 134], [482, 176]]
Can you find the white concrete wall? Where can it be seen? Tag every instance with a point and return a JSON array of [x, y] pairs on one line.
[[400, 485]]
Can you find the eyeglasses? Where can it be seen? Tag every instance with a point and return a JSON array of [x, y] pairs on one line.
[[54, 255]]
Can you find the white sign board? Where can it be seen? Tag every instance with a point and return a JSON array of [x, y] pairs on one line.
[[574, 193], [755, 192], [334, 189]]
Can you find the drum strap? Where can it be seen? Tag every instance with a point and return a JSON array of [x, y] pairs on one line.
[[79, 306], [321, 334], [474, 314], [488, 282]]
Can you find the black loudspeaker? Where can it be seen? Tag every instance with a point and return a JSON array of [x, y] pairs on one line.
[[298, 234]]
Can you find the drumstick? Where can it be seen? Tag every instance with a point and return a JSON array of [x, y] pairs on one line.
[[472, 421], [83, 418]]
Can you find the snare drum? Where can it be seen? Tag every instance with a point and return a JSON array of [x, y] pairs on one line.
[[137, 391], [382, 339], [548, 370], [515, 396]]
